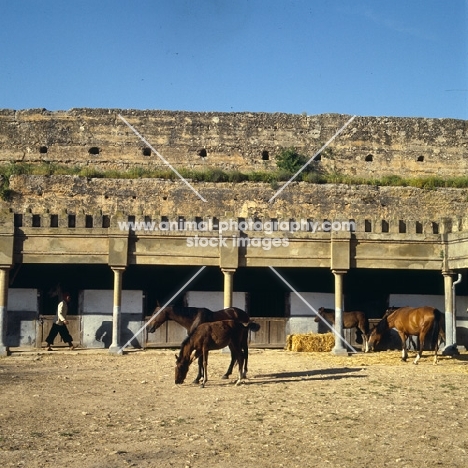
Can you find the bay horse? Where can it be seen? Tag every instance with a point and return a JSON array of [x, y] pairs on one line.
[[410, 343], [191, 317], [355, 319], [411, 321], [207, 337]]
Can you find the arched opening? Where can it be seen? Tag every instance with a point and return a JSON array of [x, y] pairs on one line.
[[146, 151], [43, 150], [265, 155], [94, 150], [202, 153], [420, 159], [369, 158]]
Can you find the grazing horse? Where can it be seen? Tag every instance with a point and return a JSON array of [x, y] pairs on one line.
[[191, 317], [411, 321], [356, 320], [209, 336]]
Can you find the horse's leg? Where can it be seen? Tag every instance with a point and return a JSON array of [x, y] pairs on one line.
[[365, 337], [205, 366], [366, 343], [404, 351], [435, 351], [438, 343], [200, 370], [422, 338], [413, 344], [245, 352], [240, 360], [367, 333], [231, 365]]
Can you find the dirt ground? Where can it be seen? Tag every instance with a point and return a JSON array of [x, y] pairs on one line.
[[89, 409]]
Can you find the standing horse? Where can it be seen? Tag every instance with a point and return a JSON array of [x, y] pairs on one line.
[[209, 336], [411, 321], [410, 343], [356, 320], [191, 317]]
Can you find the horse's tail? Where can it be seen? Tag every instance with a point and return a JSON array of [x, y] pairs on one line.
[[436, 328], [253, 326], [241, 315]]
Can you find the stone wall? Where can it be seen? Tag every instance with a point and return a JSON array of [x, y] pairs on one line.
[[368, 147], [63, 195]]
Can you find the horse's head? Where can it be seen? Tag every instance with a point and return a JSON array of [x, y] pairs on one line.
[[390, 310], [181, 369], [159, 316], [319, 313], [377, 333], [374, 339], [153, 323]]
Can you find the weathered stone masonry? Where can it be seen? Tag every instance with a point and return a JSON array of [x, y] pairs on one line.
[[68, 219], [242, 141]]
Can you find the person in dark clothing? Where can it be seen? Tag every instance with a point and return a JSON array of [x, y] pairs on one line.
[[60, 325]]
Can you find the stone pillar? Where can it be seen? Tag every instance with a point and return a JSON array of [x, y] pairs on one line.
[[117, 311], [4, 274], [449, 312], [339, 348], [228, 285]]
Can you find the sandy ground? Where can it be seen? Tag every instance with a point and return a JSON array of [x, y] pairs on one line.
[[89, 409]]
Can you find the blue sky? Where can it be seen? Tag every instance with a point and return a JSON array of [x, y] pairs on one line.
[[364, 57]]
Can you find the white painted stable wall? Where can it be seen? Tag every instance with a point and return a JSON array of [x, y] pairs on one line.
[[302, 318], [20, 301], [214, 300], [93, 301], [96, 308]]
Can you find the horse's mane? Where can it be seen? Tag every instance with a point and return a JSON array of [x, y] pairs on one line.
[[185, 341], [383, 326]]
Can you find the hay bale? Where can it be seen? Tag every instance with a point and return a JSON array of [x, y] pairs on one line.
[[310, 342]]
